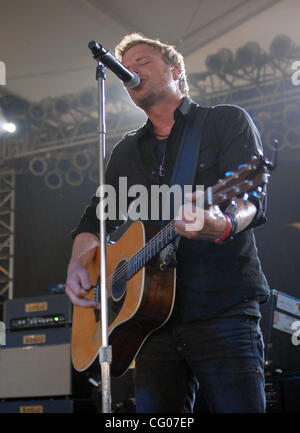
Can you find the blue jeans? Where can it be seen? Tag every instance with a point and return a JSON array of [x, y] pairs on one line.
[[223, 358]]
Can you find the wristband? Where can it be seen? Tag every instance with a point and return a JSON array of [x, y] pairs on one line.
[[227, 231], [234, 223]]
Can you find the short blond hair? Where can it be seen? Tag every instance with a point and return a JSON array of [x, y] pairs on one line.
[[169, 54]]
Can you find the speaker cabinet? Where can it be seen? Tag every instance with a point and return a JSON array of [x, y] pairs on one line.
[[38, 364]]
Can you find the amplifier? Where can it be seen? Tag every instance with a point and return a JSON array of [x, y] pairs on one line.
[[38, 363], [273, 395], [38, 312], [280, 325], [48, 406], [283, 394]]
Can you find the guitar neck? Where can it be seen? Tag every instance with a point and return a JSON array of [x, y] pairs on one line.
[[152, 247], [158, 242]]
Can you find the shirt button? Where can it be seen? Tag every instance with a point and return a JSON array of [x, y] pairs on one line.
[[153, 173]]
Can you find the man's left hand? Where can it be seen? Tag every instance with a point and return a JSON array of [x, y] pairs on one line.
[[194, 222]]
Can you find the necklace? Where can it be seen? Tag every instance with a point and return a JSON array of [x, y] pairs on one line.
[[161, 140], [161, 171], [161, 135]]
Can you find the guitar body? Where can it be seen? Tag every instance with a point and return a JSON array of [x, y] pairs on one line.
[[136, 307]]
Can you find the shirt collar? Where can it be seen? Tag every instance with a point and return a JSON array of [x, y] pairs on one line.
[[183, 110]]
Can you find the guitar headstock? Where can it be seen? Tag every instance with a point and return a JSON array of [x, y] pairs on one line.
[[249, 178]]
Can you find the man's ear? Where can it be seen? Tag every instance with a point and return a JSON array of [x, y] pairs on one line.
[[176, 72]]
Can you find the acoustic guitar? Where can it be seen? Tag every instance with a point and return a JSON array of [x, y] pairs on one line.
[[141, 295]]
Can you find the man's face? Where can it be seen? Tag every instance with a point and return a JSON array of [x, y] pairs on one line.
[[157, 78]]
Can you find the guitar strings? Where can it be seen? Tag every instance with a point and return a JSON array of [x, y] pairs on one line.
[[142, 252], [122, 271], [158, 238]]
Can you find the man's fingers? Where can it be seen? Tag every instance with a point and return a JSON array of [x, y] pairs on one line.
[[84, 280], [197, 195], [80, 302], [77, 287]]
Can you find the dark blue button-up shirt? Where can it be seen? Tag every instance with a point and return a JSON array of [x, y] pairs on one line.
[[212, 279]]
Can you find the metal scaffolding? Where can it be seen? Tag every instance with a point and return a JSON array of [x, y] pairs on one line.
[[7, 232]]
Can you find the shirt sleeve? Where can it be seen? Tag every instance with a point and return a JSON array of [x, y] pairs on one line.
[[89, 221], [240, 142]]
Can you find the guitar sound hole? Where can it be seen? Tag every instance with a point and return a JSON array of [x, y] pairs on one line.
[[119, 283]]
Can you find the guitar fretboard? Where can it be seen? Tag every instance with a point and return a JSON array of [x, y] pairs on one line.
[[154, 246]]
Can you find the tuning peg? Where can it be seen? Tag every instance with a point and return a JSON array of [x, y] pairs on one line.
[[259, 192], [236, 188], [249, 181], [232, 173], [232, 206], [223, 195]]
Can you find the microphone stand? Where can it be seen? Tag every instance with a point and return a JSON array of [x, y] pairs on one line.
[[105, 351]]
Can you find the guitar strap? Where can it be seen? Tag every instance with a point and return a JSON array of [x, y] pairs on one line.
[[184, 171]]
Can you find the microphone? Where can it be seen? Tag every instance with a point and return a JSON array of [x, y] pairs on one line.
[[130, 79]]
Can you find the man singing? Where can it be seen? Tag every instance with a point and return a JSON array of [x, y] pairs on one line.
[[212, 341]]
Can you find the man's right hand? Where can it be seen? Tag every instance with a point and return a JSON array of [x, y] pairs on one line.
[[78, 285]]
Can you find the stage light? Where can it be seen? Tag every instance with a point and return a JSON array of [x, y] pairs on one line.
[[220, 62], [61, 106], [292, 139], [9, 127], [248, 54], [281, 47], [74, 177], [273, 134], [63, 161], [38, 166], [53, 179], [37, 111], [81, 160]]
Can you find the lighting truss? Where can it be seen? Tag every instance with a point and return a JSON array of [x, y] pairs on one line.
[[7, 232], [251, 78]]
